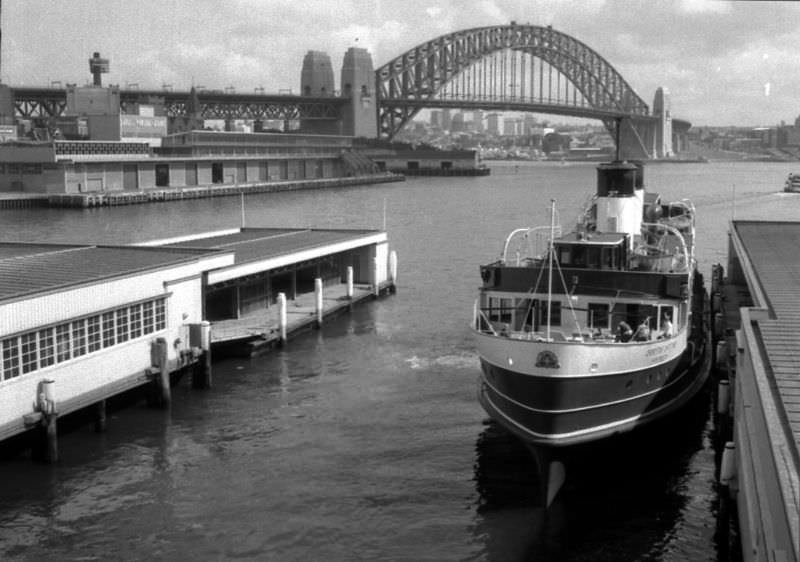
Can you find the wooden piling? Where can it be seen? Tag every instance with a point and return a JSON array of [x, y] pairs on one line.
[[350, 282], [392, 272], [376, 268], [201, 376], [100, 416], [48, 428], [163, 381], [282, 317], [319, 307]]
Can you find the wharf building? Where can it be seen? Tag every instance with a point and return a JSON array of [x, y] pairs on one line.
[[95, 148], [80, 324], [756, 331]]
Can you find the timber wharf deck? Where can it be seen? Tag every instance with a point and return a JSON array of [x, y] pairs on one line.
[[115, 198], [757, 330], [260, 331]]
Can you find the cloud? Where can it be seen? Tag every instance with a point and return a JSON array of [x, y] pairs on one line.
[[714, 56], [704, 6]]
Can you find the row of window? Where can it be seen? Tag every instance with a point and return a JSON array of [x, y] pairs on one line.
[[525, 313], [38, 349]]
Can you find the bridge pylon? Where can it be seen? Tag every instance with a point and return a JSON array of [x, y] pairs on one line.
[[359, 116]]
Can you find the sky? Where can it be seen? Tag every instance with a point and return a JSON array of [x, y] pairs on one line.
[[723, 63]]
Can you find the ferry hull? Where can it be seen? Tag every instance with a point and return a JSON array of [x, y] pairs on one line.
[[558, 412]]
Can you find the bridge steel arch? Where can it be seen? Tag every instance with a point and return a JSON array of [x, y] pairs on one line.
[[415, 79]]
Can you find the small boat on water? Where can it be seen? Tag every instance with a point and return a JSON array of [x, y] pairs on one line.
[[792, 184], [592, 333]]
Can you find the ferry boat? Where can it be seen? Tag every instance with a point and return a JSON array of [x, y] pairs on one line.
[[595, 332], [792, 184]]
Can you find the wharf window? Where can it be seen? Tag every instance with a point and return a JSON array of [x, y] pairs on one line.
[[216, 172], [42, 348], [162, 175], [555, 312], [10, 358], [108, 329], [93, 327], [62, 343], [79, 338], [147, 317], [598, 315], [122, 325], [46, 348], [136, 321], [30, 351], [161, 314]]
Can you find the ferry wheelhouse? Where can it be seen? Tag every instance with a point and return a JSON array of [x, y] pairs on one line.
[[591, 333]]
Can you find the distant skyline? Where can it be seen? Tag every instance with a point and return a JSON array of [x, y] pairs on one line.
[[723, 63]]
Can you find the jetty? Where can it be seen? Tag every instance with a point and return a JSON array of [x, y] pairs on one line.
[[80, 324], [756, 331]]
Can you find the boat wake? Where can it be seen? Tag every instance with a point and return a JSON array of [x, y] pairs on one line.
[[465, 361]]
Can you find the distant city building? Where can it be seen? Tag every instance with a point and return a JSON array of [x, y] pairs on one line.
[[493, 124], [457, 124], [436, 118], [446, 120], [477, 121], [511, 127], [528, 124]]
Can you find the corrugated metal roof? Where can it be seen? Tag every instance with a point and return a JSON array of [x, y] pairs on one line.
[[27, 269], [774, 250], [253, 244]]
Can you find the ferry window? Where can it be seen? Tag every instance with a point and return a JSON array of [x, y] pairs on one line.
[[579, 257], [93, 330], [598, 315], [46, 348], [500, 310], [593, 257], [607, 258], [566, 256], [136, 321], [62, 343], [524, 315], [29, 352], [555, 311], [108, 329], [10, 358], [122, 325], [79, 338]]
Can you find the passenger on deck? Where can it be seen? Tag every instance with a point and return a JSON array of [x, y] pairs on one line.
[[666, 327], [642, 332], [624, 332]]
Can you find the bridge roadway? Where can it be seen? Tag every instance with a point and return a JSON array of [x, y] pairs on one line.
[[52, 102]]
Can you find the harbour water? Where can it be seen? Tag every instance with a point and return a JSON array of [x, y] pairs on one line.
[[365, 440]]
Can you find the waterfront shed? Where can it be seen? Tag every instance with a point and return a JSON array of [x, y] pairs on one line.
[[85, 317], [269, 261]]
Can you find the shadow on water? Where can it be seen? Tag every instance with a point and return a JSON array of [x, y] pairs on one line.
[[625, 498]]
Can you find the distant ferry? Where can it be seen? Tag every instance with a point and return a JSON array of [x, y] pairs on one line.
[[792, 184], [593, 333]]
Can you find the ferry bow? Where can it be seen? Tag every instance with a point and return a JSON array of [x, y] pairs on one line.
[[591, 333]]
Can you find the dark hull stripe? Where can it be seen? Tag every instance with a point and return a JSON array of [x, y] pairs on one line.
[[570, 393], [589, 422]]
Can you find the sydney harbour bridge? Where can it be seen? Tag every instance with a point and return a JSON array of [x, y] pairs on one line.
[[520, 68]]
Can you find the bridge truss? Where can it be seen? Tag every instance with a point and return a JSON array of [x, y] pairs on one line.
[[504, 68], [52, 102]]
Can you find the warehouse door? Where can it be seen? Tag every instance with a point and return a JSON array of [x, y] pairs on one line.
[[130, 177]]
